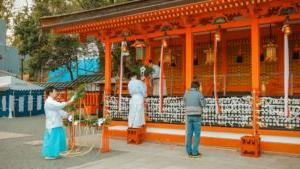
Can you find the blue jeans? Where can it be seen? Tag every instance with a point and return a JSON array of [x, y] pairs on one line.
[[193, 127]]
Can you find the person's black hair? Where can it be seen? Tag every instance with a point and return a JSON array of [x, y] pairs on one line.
[[195, 85], [131, 74], [150, 61], [50, 89]]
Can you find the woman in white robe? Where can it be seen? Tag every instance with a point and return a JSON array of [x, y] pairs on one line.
[[54, 137], [137, 90]]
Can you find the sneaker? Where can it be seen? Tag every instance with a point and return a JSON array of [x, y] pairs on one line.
[[197, 155]]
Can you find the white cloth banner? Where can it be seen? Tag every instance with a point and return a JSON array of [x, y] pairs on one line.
[[21, 104], [11, 103], [39, 102], [30, 103], [3, 103]]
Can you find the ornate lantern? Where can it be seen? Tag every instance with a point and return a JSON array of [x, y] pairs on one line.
[[271, 49], [209, 53], [168, 56], [140, 48], [209, 56]]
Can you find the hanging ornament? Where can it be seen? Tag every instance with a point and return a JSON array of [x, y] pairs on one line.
[[209, 53], [271, 48], [124, 49], [140, 48], [209, 56], [239, 58], [168, 56]]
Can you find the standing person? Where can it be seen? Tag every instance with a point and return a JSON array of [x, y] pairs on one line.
[[137, 90], [155, 80], [194, 103], [54, 137]]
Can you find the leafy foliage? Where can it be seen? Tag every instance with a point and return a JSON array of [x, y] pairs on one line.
[[80, 93], [42, 47], [6, 9]]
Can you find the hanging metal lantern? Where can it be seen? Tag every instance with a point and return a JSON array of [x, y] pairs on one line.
[[271, 47], [140, 48], [271, 54], [209, 56], [124, 49], [168, 56]]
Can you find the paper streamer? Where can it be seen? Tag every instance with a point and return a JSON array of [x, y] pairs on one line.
[[39, 102], [3, 103], [21, 104], [30, 103]]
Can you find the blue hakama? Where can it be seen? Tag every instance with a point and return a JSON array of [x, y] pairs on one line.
[[54, 142]]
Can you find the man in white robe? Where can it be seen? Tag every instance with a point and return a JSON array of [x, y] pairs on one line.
[[137, 90], [155, 80]]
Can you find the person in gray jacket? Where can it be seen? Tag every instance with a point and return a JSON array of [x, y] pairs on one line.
[[194, 103]]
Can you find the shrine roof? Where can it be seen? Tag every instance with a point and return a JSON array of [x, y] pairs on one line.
[[112, 11]]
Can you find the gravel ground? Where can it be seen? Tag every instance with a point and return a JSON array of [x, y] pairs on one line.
[[16, 154]]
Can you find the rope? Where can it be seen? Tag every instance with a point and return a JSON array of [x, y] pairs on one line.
[[217, 105], [286, 73], [161, 78]]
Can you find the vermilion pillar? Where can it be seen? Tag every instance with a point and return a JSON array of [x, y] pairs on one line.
[[255, 60], [189, 51], [107, 90], [108, 69]]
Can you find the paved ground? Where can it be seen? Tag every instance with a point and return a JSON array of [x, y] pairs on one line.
[[20, 149]]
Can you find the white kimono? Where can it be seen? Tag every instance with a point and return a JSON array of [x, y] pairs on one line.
[[137, 90], [54, 113], [155, 81]]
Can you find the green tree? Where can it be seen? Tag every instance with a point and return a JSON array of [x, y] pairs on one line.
[[63, 52], [44, 48], [6, 9]]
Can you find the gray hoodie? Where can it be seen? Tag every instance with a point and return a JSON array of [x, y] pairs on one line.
[[194, 102]]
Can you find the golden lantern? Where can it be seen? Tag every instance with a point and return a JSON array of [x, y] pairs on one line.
[[271, 52], [263, 87], [168, 56], [140, 48], [271, 49], [209, 53], [209, 56]]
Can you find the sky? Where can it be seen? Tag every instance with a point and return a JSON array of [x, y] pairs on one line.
[[19, 4]]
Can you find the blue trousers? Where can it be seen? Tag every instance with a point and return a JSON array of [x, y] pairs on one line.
[[54, 142], [193, 127]]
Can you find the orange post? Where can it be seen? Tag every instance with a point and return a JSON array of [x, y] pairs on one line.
[[189, 47], [107, 91], [105, 139], [255, 51], [108, 62]]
